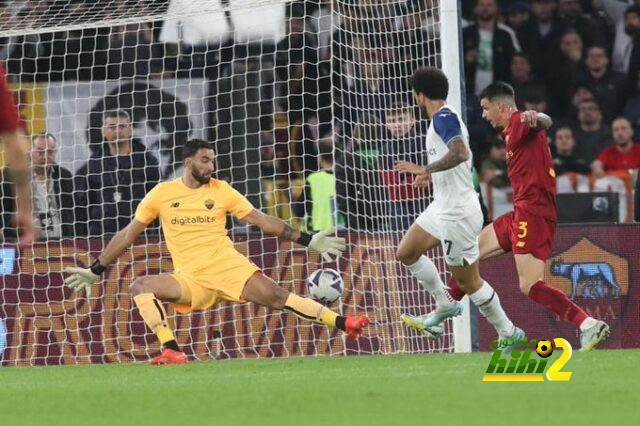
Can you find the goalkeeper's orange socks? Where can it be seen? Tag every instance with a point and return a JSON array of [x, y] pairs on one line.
[[313, 311], [154, 315]]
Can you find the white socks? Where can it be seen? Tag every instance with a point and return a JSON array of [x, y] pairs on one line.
[[588, 322], [488, 303], [427, 274]]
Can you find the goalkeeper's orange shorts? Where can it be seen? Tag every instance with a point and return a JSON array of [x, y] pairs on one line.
[[223, 280]]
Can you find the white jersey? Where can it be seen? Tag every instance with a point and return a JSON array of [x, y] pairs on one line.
[[454, 196]]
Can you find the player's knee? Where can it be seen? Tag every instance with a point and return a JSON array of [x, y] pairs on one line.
[[139, 286], [406, 256], [468, 285]]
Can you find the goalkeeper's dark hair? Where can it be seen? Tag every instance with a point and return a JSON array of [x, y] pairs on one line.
[[498, 90], [431, 82], [192, 146]]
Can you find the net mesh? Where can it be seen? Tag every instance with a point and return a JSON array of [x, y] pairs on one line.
[[285, 90]]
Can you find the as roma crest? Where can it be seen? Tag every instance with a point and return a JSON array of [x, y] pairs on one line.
[[209, 203]]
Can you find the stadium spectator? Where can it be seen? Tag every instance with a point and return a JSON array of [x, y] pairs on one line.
[[358, 184], [632, 29], [129, 51], [267, 155], [516, 14], [406, 201], [608, 86], [415, 41], [320, 193], [624, 154], [77, 54], [523, 82], [569, 66], [296, 71], [118, 181], [371, 86], [579, 94], [52, 194], [488, 47], [571, 16], [592, 134], [539, 38], [19, 53], [478, 129], [494, 168], [303, 91], [563, 153], [625, 28], [632, 107], [321, 21], [53, 191], [536, 102]]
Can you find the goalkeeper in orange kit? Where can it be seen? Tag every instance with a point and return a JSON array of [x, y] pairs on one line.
[[208, 269]]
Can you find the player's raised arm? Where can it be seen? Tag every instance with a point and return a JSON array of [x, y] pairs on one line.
[[83, 278], [536, 120], [321, 242]]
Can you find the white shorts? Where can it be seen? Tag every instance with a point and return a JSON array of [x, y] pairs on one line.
[[459, 238]]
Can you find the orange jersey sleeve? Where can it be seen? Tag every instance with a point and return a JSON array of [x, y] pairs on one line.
[[235, 203], [149, 208]]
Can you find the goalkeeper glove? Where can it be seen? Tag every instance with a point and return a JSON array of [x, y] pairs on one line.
[[327, 245], [83, 278]]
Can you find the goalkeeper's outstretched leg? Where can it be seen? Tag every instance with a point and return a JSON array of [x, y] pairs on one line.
[[149, 292], [262, 290]]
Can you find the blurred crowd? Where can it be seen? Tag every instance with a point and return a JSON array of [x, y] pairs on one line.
[[578, 61], [326, 102]]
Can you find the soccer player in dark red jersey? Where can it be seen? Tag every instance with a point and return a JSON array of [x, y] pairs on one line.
[[12, 136], [529, 230]]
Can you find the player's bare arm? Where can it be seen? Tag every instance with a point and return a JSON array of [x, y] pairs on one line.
[[321, 242], [83, 278], [271, 225], [458, 153], [536, 120], [121, 241]]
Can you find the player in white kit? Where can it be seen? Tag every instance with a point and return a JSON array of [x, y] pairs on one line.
[[453, 219]]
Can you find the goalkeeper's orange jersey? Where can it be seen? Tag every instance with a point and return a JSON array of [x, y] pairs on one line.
[[193, 220]]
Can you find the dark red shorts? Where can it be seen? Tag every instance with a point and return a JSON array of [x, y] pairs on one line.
[[523, 233]]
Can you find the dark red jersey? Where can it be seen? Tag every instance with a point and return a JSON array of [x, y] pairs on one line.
[[530, 169], [9, 118]]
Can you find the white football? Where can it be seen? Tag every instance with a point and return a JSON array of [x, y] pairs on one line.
[[325, 286]]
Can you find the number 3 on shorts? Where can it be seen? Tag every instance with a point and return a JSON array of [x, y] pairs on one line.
[[522, 226]]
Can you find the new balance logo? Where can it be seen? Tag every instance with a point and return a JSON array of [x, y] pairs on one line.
[[174, 205]]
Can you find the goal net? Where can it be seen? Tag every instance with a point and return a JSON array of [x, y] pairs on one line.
[[308, 106]]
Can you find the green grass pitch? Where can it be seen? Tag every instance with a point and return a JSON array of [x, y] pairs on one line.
[[369, 390]]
